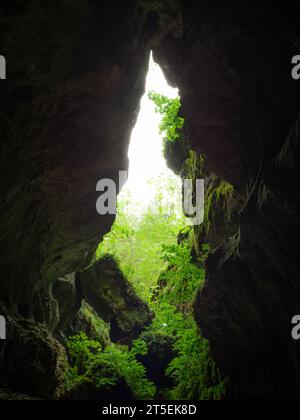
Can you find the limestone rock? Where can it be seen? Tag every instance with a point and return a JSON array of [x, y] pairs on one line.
[[32, 362], [69, 300], [113, 298], [89, 322]]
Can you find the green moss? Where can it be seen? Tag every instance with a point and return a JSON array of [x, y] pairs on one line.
[[218, 195], [98, 329], [183, 278], [196, 375]]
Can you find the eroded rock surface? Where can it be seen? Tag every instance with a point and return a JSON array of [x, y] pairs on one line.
[[252, 293], [32, 362], [113, 298], [76, 76], [67, 293], [232, 66]]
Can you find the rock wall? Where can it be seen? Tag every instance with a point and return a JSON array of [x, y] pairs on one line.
[[104, 287], [233, 68], [75, 76], [76, 72]]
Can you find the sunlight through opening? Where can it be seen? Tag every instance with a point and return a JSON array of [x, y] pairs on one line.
[[147, 165]]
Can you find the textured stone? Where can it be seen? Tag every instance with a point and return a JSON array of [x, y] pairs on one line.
[[89, 322], [67, 110], [160, 354], [32, 362], [69, 299], [232, 67], [113, 298]]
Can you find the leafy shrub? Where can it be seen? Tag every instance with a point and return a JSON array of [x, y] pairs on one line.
[[82, 351], [183, 278], [194, 371], [103, 368], [171, 123]]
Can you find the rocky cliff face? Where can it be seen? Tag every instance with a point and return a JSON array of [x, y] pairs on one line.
[[68, 107], [76, 73], [75, 76], [232, 66]]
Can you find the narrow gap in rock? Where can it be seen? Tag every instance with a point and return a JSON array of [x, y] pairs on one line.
[[148, 271]]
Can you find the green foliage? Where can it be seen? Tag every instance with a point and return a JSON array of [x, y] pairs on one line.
[[193, 369], [167, 319], [83, 351], [82, 354], [195, 373], [136, 243], [129, 368], [103, 368], [97, 328], [171, 123], [219, 194], [183, 278], [164, 273]]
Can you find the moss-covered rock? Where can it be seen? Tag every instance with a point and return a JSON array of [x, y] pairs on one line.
[[87, 391], [69, 300], [89, 322], [32, 362], [160, 353], [6, 395], [105, 288]]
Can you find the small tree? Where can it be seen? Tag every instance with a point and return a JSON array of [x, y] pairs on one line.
[[171, 122]]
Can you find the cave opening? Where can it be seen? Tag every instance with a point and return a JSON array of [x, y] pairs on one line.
[[156, 340], [149, 213], [148, 169]]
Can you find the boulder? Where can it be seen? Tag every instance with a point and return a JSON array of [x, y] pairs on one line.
[[105, 288]]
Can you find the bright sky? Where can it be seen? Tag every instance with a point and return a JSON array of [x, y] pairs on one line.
[[146, 146]]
